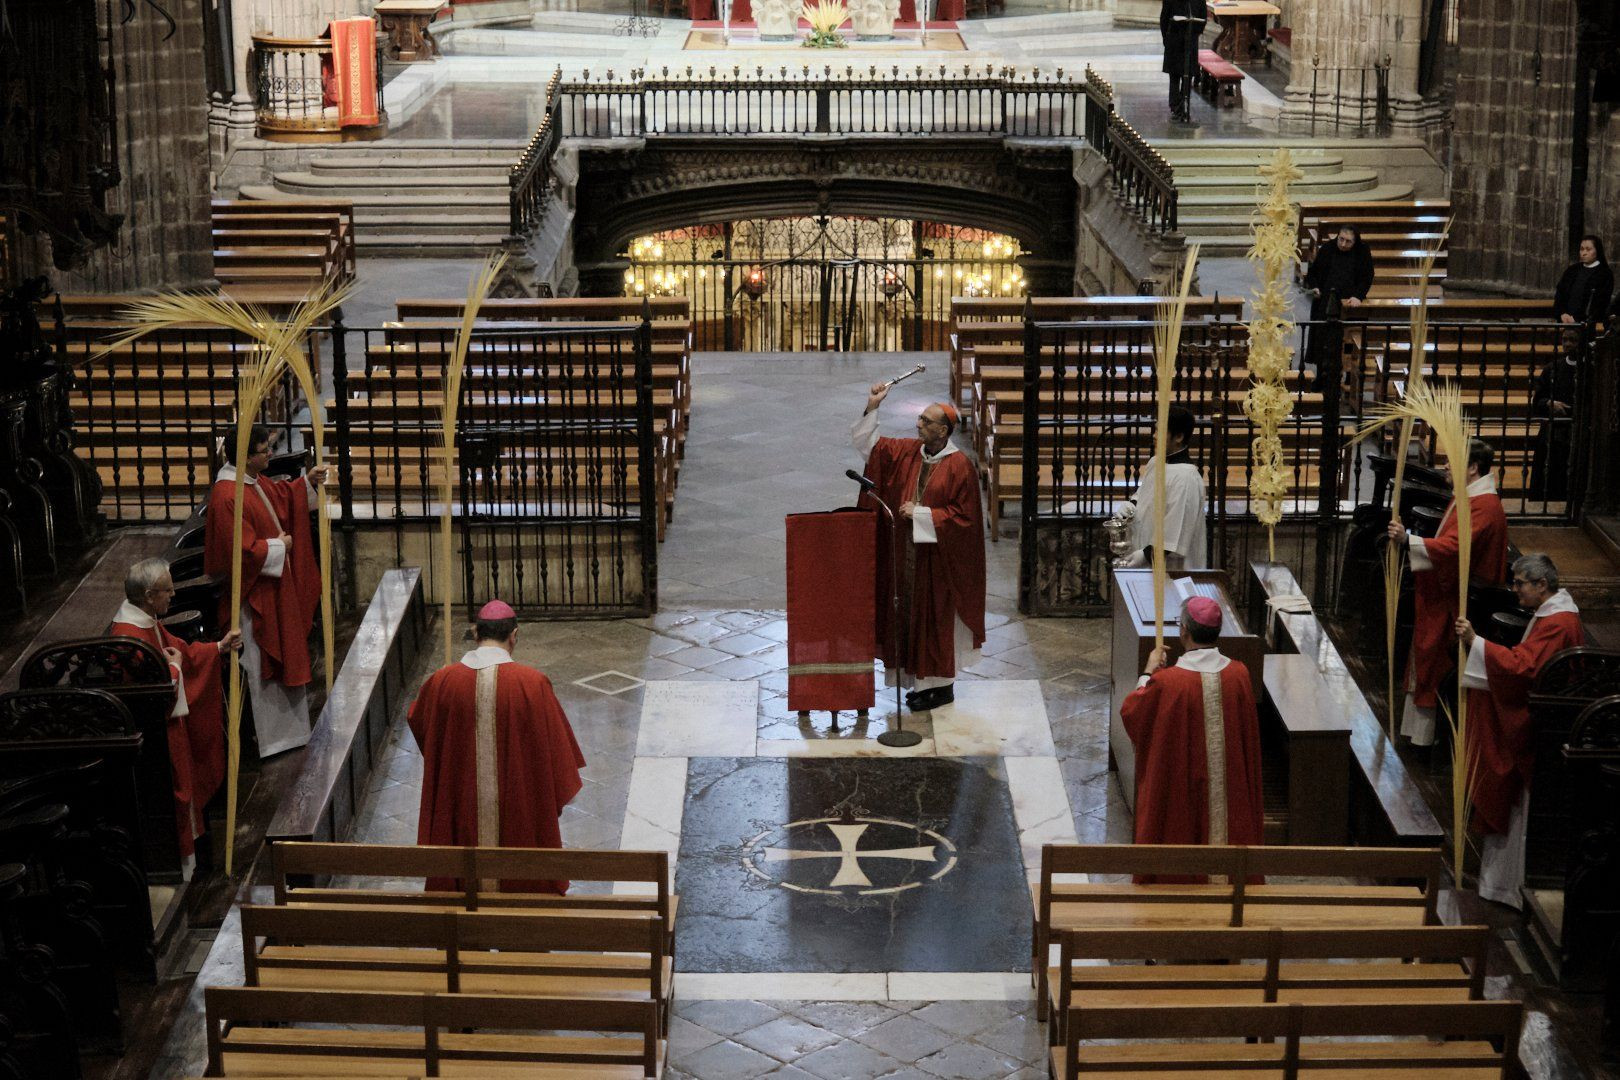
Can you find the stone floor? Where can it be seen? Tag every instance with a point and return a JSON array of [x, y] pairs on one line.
[[698, 691]]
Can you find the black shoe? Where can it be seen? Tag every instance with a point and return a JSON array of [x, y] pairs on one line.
[[933, 699]]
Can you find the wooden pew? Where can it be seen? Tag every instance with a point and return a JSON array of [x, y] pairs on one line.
[[1227, 965], [1219, 80], [539, 953], [293, 213], [1321, 901], [1471, 1040], [307, 1032], [302, 873]]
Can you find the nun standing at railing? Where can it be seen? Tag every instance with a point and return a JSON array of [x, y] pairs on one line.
[[1584, 290]]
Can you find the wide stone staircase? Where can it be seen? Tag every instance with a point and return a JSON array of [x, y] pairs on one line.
[[1219, 185], [429, 198]]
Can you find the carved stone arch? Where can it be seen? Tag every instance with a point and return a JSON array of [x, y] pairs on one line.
[[1024, 191]]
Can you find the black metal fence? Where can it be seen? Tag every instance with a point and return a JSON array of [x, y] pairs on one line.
[[1345, 100], [1088, 418], [557, 471]]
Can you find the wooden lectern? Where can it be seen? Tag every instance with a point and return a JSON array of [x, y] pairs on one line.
[[1133, 641]]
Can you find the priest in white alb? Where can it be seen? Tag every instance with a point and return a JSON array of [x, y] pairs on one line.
[[1185, 545]]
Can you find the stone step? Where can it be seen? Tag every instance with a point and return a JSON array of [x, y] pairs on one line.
[[1238, 165], [365, 187], [1204, 207], [493, 42], [430, 245], [1239, 187], [444, 167], [1094, 46], [1019, 26]]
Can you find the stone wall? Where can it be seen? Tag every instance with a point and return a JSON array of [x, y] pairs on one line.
[[1336, 42], [162, 146], [1512, 147]]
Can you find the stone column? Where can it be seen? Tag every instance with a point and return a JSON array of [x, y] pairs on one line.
[[1337, 49], [162, 147], [1511, 147]]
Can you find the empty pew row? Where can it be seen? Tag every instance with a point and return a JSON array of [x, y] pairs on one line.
[[977, 321], [1176, 887], [354, 970], [279, 242]]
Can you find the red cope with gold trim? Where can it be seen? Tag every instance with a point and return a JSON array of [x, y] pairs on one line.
[[1434, 592], [283, 609], [948, 576], [536, 763]]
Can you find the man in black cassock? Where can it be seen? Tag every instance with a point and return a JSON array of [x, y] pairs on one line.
[[1181, 23]]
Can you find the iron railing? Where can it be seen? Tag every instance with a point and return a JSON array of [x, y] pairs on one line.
[[1091, 391], [1348, 101], [530, 178], [557, 480], [1142, 178], [804, 103], [294, 96]]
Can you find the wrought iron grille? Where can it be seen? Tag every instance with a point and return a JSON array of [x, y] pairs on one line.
[[818, 284]]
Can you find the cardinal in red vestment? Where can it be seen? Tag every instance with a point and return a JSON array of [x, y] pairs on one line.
[[197, 723], [499, 759], [938, 550], [1434, 588], [1197, 739], [1501, 747], [281, 588]]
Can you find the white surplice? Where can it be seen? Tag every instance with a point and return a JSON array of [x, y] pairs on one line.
[[1184, 501]]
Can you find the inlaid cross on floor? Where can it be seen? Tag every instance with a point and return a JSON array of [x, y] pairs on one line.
[[849, 855]]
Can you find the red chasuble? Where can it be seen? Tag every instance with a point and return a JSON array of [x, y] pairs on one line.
[[196, 740], [534, 771], [283, 608], [948, 582], [1434, 641], [1501, 749], [1165, 720]]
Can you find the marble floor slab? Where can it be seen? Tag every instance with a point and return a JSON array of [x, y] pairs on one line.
[[994, 718], [849, 865], [698, 719]]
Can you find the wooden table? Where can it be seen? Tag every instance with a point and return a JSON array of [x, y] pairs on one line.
[[1133, 641], [1314, 725], [1243, 29], [406, 23]]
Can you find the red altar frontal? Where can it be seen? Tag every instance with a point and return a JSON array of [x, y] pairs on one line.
[[831, 610]]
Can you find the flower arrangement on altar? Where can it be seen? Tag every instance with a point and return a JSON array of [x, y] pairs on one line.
[[825, 18]]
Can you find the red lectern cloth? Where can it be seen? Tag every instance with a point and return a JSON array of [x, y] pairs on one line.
[[351, 82], [831, 609]]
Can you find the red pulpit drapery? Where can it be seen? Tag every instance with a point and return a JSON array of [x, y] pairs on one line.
[[831, 606], [350, 80]]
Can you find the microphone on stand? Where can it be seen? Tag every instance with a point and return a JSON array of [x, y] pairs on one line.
[[866, 485]]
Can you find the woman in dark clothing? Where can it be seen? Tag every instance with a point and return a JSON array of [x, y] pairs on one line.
[[1554, 402], [1584, 290], [1342, 270]]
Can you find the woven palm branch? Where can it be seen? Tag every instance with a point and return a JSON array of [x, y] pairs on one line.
[[277, 348], [478, 290], [1439, 407], [1171, 313]]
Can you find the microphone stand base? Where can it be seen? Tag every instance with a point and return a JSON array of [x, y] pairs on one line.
[[899, 738]]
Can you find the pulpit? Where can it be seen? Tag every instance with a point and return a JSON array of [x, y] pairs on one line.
[[1133, 641]]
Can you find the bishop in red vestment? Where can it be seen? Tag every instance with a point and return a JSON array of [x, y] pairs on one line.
[[499, 759], [937, 548], [1501, 747], [197, 722], [281, 588], [1434, 588], [1197, 739]]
